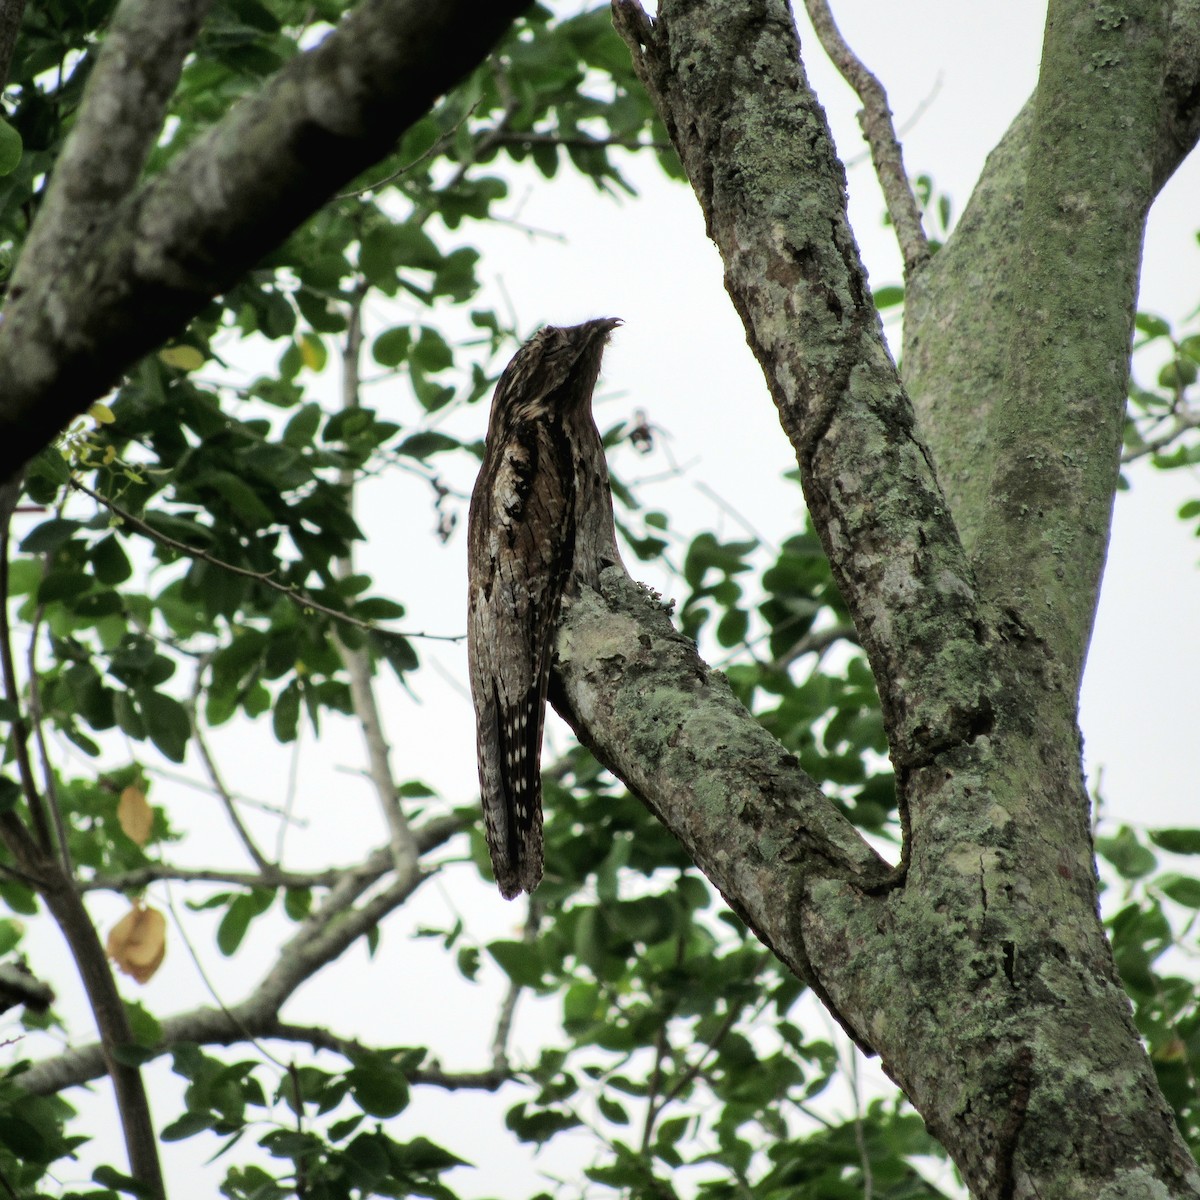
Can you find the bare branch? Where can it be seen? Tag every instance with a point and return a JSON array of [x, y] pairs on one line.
[[117, 124], [756, 146], [426, 837], [18, 985], [875, 118], [508, 1007], [1181, 422], [356, 660], [815, 642], [10, 493], [141, 878], [223, 202], [211, 1027], [321, 939], [112, 1022], [214, 775]]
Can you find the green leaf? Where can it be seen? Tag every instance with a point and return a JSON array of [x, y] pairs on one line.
[[244, 908], [49, 535], [285, 717], [11, 933], [1182, 889], [303, 426], [379, 1088], [390, 348], [143, 1024], [110, 1177], [110, 563], [612, 1110], [1177, 841], [888, 297], [22, 1138], [431, 352], [187, 1126], [1151, 326], [10, 794], [426, 443], [396, 648], [520, 961], [166, 722], [1127, 854], [10, 148]]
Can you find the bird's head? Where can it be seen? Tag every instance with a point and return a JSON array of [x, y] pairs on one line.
[[552, 373]]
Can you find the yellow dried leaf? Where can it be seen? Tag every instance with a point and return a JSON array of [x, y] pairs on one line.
[[312, 352], [138, 941], [135, 815], [186, 358]]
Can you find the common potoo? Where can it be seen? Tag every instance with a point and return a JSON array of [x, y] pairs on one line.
[[541, 523]]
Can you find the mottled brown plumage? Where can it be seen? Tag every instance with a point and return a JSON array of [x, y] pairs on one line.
[[540, 524]]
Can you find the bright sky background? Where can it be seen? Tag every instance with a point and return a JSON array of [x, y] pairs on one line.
[[958, 73]]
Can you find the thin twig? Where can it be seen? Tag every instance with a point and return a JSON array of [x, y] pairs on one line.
[[214, 775], [140, 878], [296, 595], [508, 1007], [516, 137], [9, 494], [428, 836], [815, 642], [876, 122], [357, 661], [39, 733], [1183, 422], [860, 1140], [439, 147]]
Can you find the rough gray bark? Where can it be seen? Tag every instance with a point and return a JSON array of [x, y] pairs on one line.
[[156, 255], [978, 970]]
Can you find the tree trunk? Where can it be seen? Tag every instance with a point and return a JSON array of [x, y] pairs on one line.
[[978, 968]]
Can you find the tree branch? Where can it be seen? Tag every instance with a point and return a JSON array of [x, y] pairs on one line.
[[729, 84], [115, 128], [1055, 436], [753, 822], [426, 837], [959, 317], [205, 1027], [112, 1021], [875, 119], [356, 660], [321, 939], [221, 204], [1181, 422]]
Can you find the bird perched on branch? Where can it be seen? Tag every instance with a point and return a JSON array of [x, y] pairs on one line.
[[540, 525]]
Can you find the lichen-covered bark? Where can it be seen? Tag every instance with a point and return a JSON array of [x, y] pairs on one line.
[[155, 258], [982, 978], [1055, 432], [979, 971], [961, 310], [757, 148]]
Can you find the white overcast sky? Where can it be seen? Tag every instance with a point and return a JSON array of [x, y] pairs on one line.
[[965, 69]]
